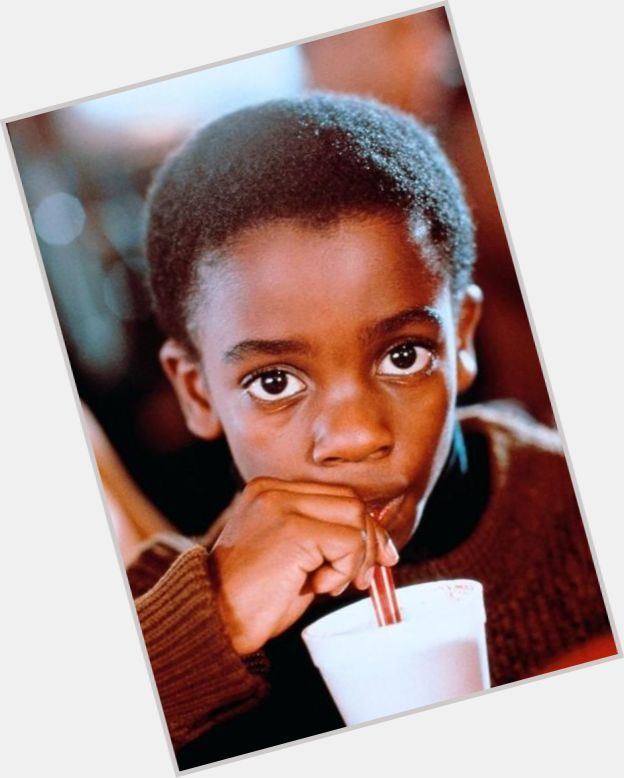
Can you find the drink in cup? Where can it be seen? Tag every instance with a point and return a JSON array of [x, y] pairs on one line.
[[437, 651]]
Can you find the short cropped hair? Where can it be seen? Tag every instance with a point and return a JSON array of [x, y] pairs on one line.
[[315, 158]]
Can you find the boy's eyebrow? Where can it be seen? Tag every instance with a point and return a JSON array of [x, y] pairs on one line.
[[253, 347], [271, 347], [424, 314]]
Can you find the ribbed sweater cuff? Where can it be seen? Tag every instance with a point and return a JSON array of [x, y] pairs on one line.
[[155, 557], [201, 680]]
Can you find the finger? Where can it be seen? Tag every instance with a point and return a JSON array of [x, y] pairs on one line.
[[326, 580], [386, 552], [337, 546], [334, 577], [363, 578], [258, 485], [347, 511]]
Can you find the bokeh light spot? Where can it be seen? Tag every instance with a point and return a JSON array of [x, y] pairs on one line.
[[59, 219]]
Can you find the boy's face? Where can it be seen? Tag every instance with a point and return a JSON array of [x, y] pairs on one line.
[[331, 355]]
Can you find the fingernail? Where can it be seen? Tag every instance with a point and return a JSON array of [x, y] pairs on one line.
[[368, 576], [391, 548]]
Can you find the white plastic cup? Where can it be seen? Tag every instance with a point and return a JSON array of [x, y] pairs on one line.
[[438, 651]]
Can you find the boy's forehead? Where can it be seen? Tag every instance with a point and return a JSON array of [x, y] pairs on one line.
[[289, 275]]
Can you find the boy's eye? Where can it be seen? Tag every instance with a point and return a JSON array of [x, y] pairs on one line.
[[405, 359], [274, 385]]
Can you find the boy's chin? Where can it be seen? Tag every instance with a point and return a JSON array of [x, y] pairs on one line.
[[403, 522]]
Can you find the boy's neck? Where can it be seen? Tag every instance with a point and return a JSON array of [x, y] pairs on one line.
[[457, 501]]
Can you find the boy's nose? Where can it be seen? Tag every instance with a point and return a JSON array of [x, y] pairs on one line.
[[351, 430]]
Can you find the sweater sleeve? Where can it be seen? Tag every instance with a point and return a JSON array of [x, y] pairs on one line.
[[156, 556], [201, 680]]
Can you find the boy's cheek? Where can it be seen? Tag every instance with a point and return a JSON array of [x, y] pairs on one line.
[[425, 431], [427, 448], [266, 455]]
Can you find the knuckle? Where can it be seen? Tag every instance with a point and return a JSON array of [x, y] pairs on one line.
[[267, 502], [257, 485]]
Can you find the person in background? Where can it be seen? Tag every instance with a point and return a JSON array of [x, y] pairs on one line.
[[135, 519]]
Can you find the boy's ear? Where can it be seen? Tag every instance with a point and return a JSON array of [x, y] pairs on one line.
[[468, 316], [186, 377]]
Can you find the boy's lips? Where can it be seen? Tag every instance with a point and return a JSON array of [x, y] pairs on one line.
[[381, 507]]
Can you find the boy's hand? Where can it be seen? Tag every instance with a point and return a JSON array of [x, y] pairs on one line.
[[283, 543]]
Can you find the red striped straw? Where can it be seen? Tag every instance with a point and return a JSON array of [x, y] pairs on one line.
[[382, 590]]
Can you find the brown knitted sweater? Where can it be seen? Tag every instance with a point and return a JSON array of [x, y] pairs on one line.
[[528, 549]]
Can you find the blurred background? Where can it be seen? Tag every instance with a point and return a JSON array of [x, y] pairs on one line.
[[85, 171]]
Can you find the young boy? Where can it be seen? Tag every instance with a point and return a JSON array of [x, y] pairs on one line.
[[311, 262]]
